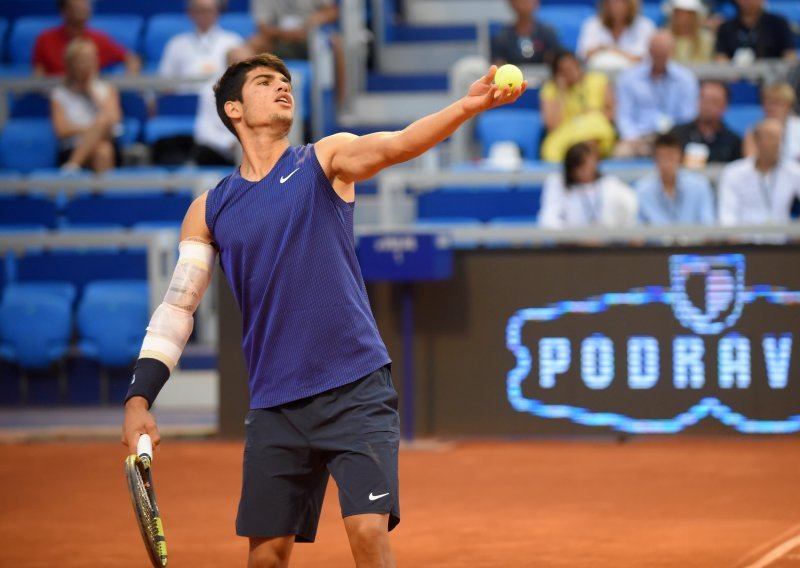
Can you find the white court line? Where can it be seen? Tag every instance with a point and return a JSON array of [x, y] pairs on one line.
[[776, 553]]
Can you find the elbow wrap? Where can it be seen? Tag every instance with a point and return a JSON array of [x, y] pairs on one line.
[[172, 322]]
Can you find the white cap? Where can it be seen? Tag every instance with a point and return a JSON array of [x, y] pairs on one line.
[[690, 5]]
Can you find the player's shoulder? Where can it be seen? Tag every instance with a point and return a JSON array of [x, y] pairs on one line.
[[326, 148]]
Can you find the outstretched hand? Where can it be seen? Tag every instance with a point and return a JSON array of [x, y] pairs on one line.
[[484, 94]]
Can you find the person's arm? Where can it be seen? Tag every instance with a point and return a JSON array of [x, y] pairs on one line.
[[170, 66], [610, 109], [721, 47], [347, 158], [110, 110], [690, 97], [551, 211], [786, 39], [727, 203], [551, 100], [62, 127], [626, 125], [170, 326], [748, 144], [705, 215], [133, 64], [324, 15]]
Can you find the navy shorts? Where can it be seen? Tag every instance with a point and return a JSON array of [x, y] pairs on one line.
[[351, 432]]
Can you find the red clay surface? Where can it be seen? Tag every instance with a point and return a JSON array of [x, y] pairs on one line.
[[684, 502]]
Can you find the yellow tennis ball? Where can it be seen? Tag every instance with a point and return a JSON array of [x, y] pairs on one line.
[[508, 75]]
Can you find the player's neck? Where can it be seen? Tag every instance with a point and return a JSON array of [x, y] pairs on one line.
[[260, 153]]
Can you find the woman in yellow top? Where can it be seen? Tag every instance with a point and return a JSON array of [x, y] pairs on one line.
[[576, 107], [693, 43]]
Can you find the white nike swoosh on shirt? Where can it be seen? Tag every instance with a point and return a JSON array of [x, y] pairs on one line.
[[284, 179], [374, 497]]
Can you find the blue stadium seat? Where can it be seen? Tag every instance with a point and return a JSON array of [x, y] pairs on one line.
[[177, 105], [741, 117], [127, 209], [29, 105], [144, 8], [27, 144], [789, 9], [160, 28], [566, 20], [477, 204], [131, 131], [653, 11], [35, 327], [521, 126], [165, 126], [3, 43], [23, 36], [240, 22], [65, 290], [134, 106], [28, 210], [13, 9], [125, 29], [112, 318]]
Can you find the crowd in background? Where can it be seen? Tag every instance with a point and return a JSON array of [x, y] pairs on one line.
[[628, 92]]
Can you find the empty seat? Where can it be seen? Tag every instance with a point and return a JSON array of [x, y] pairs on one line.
[[566, 20], [27, 144], [160, 127], [177, 105], [125, 29], [29, 105], [35, 326], [160, 29], [3, 31], [477, 204], [238, 22], [127, 209], [741, 117], [521, 126], [27, 210], [112, 318], [65, 290], [23, 36]]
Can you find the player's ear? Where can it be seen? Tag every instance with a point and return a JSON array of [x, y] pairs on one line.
[[233, 109]]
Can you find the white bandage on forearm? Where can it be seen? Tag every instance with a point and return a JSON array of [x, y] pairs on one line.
[[172, 322]]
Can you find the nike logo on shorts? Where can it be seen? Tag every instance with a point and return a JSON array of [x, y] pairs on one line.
[[285, 179], [375, 497]]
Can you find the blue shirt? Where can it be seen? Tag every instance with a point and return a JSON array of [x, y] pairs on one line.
[[692, 203], [647, 104], [286, 246]]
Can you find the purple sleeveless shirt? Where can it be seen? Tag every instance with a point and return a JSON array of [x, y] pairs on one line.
[[286, 246]]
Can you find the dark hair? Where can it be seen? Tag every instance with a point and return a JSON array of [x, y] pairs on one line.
[[722, 84], [575, 157], [229, 86], [667, 140], [557, 58]]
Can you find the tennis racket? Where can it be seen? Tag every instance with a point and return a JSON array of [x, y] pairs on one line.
[[140, 485]]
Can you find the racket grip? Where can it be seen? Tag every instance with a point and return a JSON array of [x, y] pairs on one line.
[[145, 447]]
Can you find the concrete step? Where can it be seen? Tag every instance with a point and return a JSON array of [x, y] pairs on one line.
[[423, 57]]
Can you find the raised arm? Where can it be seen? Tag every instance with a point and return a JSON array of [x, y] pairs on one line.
[[170, 326], [347, 158]]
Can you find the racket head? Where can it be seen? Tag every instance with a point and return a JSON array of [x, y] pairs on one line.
[[145, 508]]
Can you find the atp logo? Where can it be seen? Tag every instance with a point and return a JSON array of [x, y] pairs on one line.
[[707, 296]]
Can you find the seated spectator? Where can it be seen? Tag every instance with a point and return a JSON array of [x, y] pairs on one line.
[[48, 51], [576, 107], [652, 97], [580, 196], [672, 195], [527, 40], [693, 43], [283, 25], [202, 51], [616, 38], [761, 188], [778, 101], [85, 111], [754, 34], [708, 138], [793, 78]]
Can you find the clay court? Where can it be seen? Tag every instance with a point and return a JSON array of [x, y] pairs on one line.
[[650, 502]]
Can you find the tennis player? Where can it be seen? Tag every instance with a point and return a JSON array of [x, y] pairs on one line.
[[321, 395]]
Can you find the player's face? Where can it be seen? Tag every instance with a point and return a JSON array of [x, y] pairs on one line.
[[267, 98]]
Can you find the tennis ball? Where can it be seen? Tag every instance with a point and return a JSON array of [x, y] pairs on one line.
[[508, 75]]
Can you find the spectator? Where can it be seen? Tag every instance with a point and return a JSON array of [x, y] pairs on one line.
[[652, 97], [671, 194], [527, 40], [761, 188], [793, 78], [580, 196], [693, 43], [778, 101], [576, 107], [202, 51], [48, 51], [617, 37], [283, 25], [85, 111], [754, 34], [708, 138]]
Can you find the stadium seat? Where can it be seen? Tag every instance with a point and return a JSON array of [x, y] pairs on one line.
[[566, 20], [27, 144], [13, 9], [127, 209], [521, 126], [741, 117], [653, 11], [35, 326], [64, 290], [28, 210], [177, 105], [3, 43], [240, 22], [789, 9], [477, 204], [131, 131], [133, 105], [29, 105], [112, 318], [167, 126], [125, 29], [160, 28], [23, 36]]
